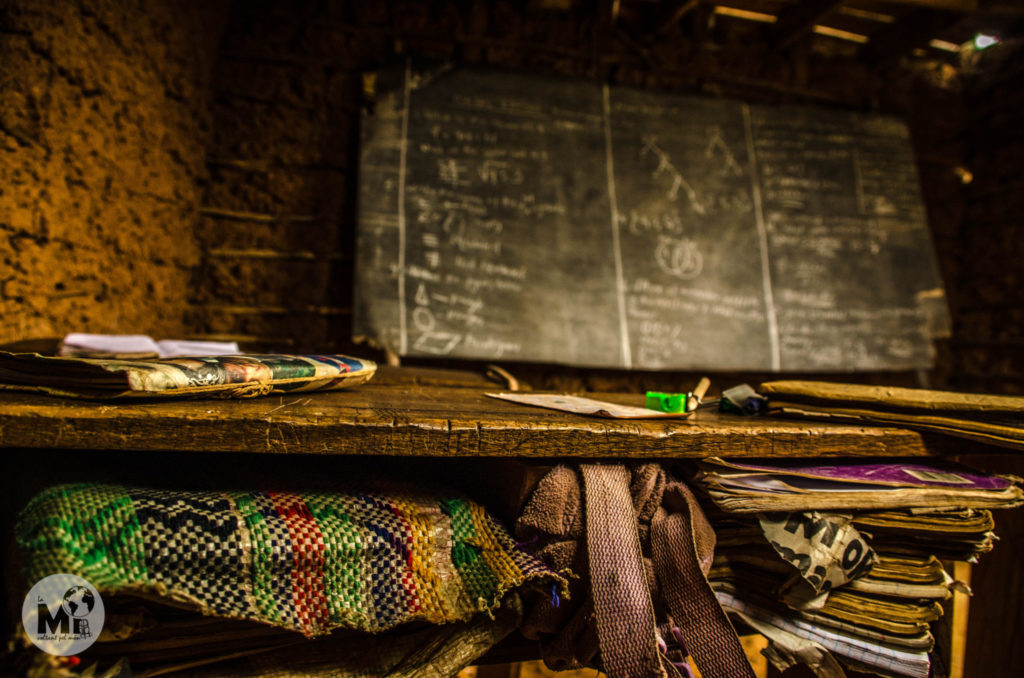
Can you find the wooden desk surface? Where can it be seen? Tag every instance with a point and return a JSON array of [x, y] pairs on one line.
[[412, 417]]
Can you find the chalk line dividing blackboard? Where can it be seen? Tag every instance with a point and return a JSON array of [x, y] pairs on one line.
[[510, 217], [627, 357], [402, 244], [762, 233]]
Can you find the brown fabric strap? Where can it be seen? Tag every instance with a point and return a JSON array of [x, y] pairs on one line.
[[681, 544], [622, 601]]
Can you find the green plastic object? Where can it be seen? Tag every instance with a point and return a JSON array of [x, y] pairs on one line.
[[666, 402]]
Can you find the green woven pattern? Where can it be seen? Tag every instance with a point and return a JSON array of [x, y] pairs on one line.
[[310, 562]]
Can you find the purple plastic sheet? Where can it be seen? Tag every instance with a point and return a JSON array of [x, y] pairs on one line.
[[899, 474]]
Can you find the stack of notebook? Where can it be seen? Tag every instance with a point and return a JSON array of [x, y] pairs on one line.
[[844, 561], [992, 419]]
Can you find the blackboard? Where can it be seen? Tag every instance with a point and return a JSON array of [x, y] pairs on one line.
[[507, 217]]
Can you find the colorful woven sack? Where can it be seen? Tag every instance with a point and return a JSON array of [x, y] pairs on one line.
[[311, 562]]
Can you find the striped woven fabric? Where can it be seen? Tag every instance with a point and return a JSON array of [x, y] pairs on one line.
[[310, 562]]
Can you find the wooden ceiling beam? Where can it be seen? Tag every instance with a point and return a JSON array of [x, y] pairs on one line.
[[799, 19], [914, 30], [673, 12], [963, 6]]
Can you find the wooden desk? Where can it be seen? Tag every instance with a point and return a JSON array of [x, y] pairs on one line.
[[399, 416]]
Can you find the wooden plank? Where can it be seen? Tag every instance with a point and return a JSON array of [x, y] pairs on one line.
[[403, 419]]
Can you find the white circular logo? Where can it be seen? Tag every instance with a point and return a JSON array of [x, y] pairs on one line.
[[63, 614]]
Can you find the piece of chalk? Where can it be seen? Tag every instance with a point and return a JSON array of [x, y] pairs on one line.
[[693, 399]]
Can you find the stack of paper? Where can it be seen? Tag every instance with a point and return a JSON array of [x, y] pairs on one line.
[[844, 559], [797, 485]]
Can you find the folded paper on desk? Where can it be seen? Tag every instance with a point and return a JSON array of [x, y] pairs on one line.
[[749, 488], [587, 406], [998, 420], [239, 376]]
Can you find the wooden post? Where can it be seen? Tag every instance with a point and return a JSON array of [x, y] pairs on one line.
[[958, 621]]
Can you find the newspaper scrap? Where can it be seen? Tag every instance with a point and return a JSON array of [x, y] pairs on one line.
[[825, 548], [587, 406], [82, 345], [236, 376]]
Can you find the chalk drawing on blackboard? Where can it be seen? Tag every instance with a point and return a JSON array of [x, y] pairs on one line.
[[717, 143], [665, 166], [422, 297], [422, 318], [901, 348], [451, 172], [500, 173], [882, 206], [642, 223], [679, 257], [429, 339], [473, 235], [437, 343]]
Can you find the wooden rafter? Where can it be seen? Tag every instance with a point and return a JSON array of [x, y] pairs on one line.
[[673, 12], [914, 30], [963, 6], [799, 19]]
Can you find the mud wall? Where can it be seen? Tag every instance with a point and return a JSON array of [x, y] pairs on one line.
[[103, 130]]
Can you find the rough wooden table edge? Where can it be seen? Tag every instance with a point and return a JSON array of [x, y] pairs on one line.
[[337, 427]]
